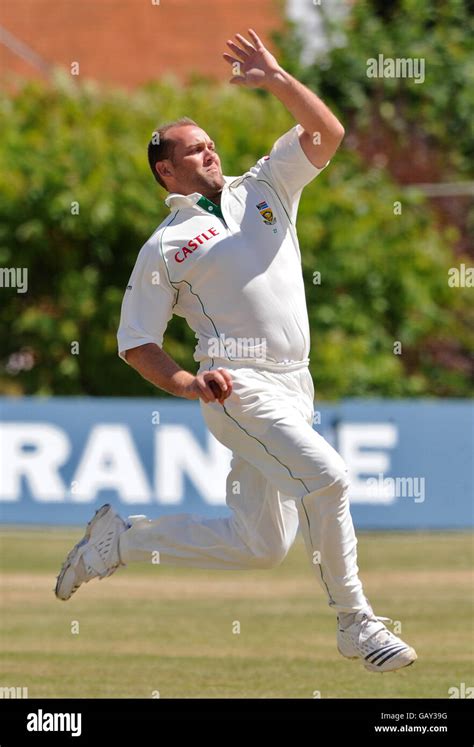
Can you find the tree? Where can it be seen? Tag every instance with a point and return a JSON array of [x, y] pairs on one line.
[[78, 202]]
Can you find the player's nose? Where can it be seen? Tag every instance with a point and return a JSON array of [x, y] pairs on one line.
[[210, 158]]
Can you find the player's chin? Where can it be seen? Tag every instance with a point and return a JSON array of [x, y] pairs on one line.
[[214, 178]]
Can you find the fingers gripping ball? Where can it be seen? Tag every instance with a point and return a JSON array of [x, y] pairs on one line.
[[216, 389]]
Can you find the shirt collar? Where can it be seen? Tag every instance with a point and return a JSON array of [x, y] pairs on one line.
[[175, 200]]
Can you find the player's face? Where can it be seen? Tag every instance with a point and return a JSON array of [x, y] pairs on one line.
[[195, 166]]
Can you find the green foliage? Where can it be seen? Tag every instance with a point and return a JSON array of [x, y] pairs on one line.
[[384, 277], [440, 111], [383, 281]]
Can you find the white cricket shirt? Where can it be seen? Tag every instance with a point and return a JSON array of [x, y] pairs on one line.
[[234, 272]]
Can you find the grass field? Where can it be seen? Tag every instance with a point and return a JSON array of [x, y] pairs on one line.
[[155, 628]]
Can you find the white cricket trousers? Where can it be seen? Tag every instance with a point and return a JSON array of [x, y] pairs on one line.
[[283, 473]]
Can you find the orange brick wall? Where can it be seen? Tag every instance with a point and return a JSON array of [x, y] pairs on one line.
[[128, 42]]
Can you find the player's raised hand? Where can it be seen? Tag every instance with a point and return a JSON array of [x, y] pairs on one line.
[[252, 64]]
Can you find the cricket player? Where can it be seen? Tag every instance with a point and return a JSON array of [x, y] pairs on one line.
[[227, 259]]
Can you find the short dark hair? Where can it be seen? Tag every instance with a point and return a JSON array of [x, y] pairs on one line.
[[161, 147]]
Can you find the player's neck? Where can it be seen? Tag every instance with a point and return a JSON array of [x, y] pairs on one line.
[[214, 197]]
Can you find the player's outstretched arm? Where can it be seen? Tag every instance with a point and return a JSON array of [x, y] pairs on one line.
[[255, 67], [156, 366]]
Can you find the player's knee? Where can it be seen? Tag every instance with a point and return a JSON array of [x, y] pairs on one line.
[[331, 482], [272, 555], [338, 476]]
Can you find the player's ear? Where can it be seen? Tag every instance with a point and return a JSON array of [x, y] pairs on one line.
[[164, 168]]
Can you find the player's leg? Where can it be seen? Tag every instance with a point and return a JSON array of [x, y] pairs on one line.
[[268, 418], [258, 533], [275, 412]]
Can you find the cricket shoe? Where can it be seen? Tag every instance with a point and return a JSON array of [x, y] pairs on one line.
[[96, 555], [368, 639]]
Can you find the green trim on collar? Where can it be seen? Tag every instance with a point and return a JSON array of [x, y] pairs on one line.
[[210, 206]]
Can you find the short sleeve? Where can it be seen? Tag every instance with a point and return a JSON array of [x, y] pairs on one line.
[[147, 305], [287, 169]]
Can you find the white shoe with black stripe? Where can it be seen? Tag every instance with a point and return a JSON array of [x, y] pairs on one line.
[[95, 556], [368, 639]]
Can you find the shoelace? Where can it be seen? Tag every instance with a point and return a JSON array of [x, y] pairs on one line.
[[364, 625]]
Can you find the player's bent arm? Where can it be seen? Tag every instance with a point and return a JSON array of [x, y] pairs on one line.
[[256, 67], [312, 114], [156, 366]]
